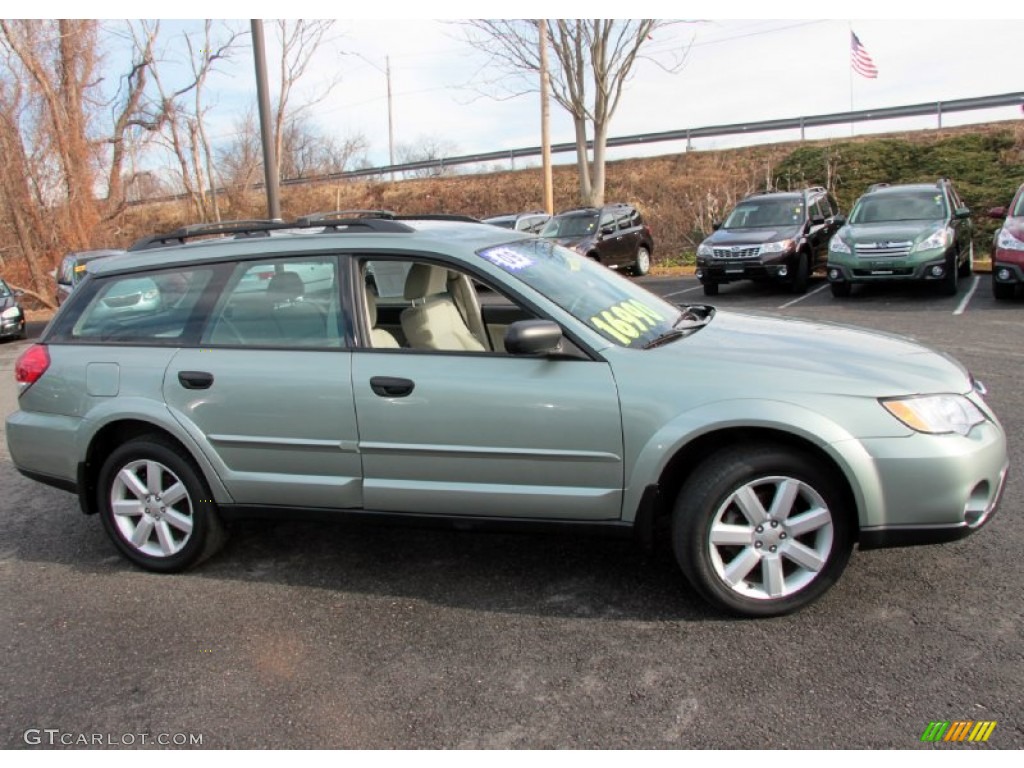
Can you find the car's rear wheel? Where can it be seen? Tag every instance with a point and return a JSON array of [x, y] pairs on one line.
[[710, 289], [156, 507], [761, 530], [802, 274], [841, 290], [1003, 291], [642, 261]]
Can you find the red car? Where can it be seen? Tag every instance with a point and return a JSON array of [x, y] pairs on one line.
[[1008, 248]]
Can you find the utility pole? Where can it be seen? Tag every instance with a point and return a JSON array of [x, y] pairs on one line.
[[259, 51], [391, 123], [545, 136]]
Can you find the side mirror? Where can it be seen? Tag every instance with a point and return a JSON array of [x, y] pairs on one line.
[[18, 293], [839, 219], [532, 337], [607, 230], [817, 220], [997, 213], [963, 213], [716, 225]]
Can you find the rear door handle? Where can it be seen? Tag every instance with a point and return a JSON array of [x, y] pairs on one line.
[[391, 386], [195, 379]]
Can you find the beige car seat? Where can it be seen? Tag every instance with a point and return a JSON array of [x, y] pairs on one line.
[[434, 321]]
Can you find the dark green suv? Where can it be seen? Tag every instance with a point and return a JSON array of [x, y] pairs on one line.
[[905, 232]]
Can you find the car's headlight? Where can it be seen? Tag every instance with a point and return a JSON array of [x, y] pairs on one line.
[[1008, 241], [939, 239], [838, 245], [10, 312], [935, 414], [780, 247], [704, 250]]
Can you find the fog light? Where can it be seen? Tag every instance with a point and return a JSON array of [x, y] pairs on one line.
[[783, 271], [833, 274], [699, 273], [1003, 274], [937, 270]]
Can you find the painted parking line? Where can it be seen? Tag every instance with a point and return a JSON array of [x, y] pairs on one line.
[[685, 290], [819, 289], [962, 307]]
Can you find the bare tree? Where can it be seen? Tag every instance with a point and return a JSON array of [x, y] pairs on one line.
[[427, 149], [593, 60], [300, 39]]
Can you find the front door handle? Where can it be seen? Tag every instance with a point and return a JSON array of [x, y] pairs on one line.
[[391, 386], [195, 379]]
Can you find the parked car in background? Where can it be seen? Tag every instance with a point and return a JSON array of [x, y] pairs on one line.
[[531, 221], [12, 315], [614, 235], [903, 232], [72, 270], [282, 381], [779, 237], [1008, 248]]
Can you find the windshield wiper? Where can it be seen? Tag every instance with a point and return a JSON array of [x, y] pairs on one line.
[[684, 325]]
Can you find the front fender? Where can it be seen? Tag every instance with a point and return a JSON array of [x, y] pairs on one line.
[[846, 451]]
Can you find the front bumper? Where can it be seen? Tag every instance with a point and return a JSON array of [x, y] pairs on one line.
[[851, 268], [1006, 272], [934, 488], [715, 270]]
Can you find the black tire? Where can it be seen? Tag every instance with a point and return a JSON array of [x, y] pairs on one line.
[[841, 290], [1003, 291], [710, 289], [160, 523], [801, 275], [641, 262], [707, 499], [967, 268], [950, 284]]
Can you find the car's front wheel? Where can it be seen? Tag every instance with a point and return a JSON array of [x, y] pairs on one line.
[[841, 290], [710, 289], [802, 274], [156, 507], [761, 530], [1003, 291]]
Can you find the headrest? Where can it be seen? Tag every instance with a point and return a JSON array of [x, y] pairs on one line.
[[424, 280], [285, 286]]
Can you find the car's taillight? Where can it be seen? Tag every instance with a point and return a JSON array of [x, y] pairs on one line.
[[31, 365]]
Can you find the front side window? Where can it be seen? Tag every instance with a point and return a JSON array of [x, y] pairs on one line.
[[618, 309], [154, 307], [281, 303]]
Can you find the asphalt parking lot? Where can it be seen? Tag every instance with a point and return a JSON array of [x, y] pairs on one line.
[[343, 636]]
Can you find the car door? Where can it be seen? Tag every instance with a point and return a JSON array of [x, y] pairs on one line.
[[268, 393], [487, 434]]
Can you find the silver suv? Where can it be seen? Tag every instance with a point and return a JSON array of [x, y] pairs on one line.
[[348, 365]]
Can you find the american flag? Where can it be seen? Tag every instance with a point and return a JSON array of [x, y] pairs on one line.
[[860, 60]]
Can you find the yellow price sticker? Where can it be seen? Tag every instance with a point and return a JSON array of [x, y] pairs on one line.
[[625, 321]]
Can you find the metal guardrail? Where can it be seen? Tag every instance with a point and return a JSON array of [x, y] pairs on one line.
[[936, 108]]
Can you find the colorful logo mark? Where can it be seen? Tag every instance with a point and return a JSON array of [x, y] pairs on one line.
[[958, 730]]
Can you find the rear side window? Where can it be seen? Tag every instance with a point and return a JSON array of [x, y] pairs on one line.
[[282, 303], [153, 307]]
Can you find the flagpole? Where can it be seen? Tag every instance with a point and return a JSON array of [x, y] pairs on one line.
[[849, 24]]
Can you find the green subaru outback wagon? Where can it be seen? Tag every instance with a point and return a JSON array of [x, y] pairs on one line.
[[349, 364], [903, 232]]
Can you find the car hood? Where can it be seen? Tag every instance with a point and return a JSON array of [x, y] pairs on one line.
[[896, 231], [569, 242], [769, 354], [724, 237]]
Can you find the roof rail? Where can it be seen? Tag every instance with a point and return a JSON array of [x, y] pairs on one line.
[[438, 217], [879, 185], [245, 228], [375, 221]]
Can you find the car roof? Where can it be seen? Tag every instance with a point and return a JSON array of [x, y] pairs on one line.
[[896, 188], [419, 235]]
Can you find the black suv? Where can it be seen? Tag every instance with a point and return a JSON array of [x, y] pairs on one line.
[[773, 236], [614, 235]]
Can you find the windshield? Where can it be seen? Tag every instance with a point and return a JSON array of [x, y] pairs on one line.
[[1018, 210], [761, 214], [923, 205], [621, 311], [577, 225]]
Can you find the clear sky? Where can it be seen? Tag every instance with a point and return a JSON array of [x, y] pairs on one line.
[[735, 70]]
